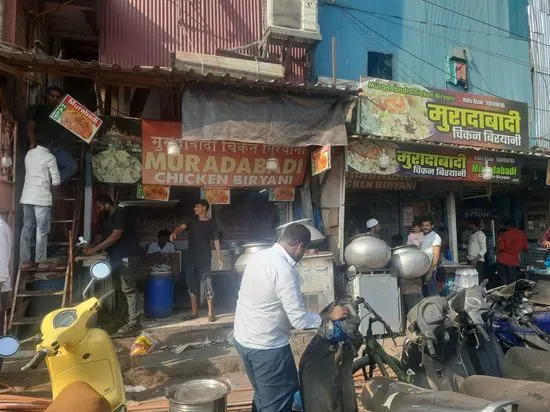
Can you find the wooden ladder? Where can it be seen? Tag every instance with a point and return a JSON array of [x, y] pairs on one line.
[[60, 225]]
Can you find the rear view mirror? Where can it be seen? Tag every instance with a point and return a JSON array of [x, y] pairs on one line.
[[100, 270], [9, 346]]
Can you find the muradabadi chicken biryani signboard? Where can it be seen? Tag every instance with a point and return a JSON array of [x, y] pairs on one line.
[[216, 163], [430, 162], [415, 113]]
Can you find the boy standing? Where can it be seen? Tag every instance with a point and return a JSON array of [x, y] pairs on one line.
[[202, 230]]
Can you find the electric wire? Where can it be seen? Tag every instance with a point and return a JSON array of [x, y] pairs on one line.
[[423, 60]]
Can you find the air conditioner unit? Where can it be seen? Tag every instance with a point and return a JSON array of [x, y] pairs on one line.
[[291, 22]]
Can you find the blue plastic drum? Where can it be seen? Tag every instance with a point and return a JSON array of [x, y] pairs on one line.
[[159, 295]]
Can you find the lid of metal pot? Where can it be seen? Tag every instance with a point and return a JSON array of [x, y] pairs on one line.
[[257, 244], [302, 221], [198, 391]]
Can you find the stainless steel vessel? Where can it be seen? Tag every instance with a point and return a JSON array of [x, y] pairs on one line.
[[316, 236], [367, 252], [199, 395], [249, 250], [409, 262]]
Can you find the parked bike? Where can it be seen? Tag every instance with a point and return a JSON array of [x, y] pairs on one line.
[[453, 347], [516, 320]]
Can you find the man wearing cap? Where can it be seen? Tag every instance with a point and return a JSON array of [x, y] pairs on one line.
[[373, 227]]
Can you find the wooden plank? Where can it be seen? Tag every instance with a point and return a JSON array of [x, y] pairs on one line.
[[223, 65]]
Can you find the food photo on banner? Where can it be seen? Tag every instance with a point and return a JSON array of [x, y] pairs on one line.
[[117, 151], [416, 113], [216, 163], [427, 162]]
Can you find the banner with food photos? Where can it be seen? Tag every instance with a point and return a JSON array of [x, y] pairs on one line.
[[363, 156], [414, 113]]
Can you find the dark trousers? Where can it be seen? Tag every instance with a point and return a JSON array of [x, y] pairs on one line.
[[430, 286], [507, 274], [480, 267], [410, 300], [197, 276], [273, 375]]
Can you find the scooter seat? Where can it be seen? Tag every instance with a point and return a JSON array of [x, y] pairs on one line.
[[527, 364], [531, 396], [383, 394]]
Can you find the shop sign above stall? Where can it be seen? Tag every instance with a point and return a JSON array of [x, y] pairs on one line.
[[361, 181], [74, 117], [415, 113], [429, 162], [216, 163]]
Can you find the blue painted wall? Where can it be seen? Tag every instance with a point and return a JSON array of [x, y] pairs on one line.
[[420, 36]]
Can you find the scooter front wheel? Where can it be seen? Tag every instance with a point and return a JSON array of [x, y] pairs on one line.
[[370, 368]]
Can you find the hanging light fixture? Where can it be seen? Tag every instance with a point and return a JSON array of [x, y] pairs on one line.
[[272, 164], [487, 171], [112, 136], [384, 160], [173, 147]]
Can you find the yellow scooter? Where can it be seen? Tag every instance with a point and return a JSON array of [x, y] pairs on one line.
[[76, 353]]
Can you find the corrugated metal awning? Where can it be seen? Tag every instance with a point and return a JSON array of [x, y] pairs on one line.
[[18, 61]]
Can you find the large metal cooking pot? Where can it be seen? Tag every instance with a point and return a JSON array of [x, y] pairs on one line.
[[249, 250], [409, 262], [367, 252], [316, 236], [199, 395]]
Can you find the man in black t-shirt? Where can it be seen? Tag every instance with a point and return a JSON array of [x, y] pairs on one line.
[[43, 130], [119, 237], [202, 231]]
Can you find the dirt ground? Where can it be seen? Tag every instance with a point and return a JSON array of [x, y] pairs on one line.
[[208, 352]]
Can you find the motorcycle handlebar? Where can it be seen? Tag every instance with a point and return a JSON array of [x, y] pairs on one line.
[[105, 296], [36, 360]]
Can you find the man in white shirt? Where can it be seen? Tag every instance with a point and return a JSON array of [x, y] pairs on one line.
[[163, 245], [477, 247], [41, 173], [269, 306], [431, 244]]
